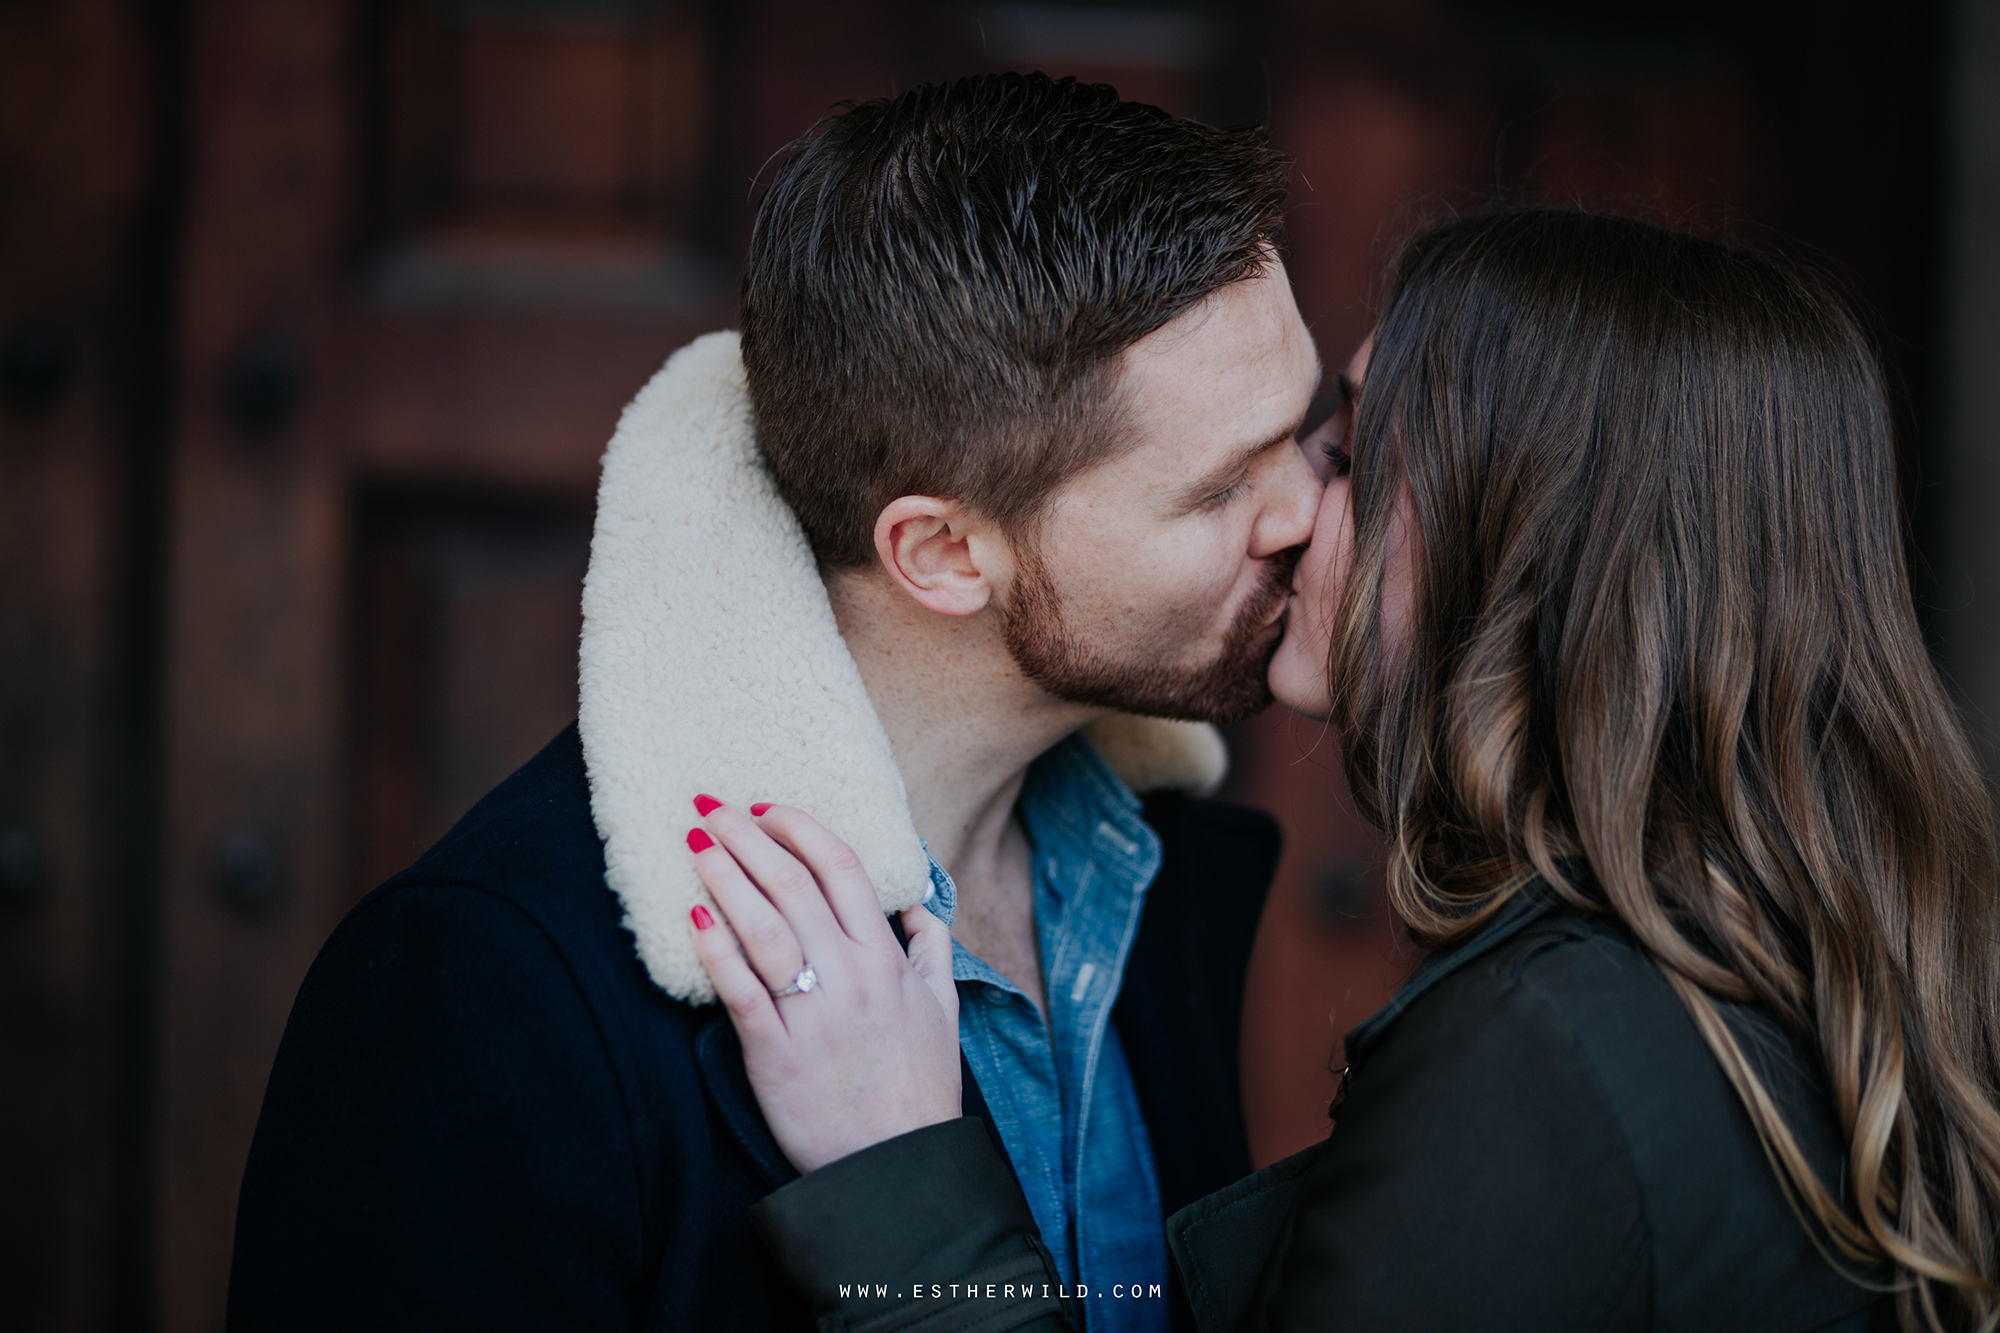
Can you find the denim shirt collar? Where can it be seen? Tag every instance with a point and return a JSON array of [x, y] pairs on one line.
[[1070, 796]]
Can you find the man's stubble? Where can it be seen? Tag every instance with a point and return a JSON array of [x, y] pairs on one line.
[[1230, 687]]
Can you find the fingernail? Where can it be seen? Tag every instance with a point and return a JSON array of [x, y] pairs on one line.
[[760, 807], [704, 804], [702, 920], [699, 841]]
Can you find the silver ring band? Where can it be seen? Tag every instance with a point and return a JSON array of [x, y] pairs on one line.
[[803, 982]]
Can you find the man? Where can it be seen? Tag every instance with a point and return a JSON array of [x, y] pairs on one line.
[[1026, 373]]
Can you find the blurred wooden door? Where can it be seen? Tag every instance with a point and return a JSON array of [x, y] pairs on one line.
[[82, 288], [430, 250]]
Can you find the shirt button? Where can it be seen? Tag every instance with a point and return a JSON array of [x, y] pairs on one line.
[[997, 995]]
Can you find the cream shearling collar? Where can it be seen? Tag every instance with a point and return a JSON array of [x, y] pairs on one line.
[[711, 662]]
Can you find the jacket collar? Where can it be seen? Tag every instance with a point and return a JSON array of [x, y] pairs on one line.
[[710, 662], [1530, 905]]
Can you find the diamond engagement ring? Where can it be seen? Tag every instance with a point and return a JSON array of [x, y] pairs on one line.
[[803, 982]]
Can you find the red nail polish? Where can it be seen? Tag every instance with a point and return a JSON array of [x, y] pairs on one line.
[[704, 804], [699, 841], [702, 920], [760, 807]]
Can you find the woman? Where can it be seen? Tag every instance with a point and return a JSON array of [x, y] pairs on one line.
[[1611, 615]]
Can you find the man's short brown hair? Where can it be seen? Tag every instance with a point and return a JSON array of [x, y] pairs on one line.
[[939, 284]]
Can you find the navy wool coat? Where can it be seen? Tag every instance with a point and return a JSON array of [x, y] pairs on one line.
[[485, 1116]]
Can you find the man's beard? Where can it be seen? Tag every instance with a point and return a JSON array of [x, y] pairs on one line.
[[1230, 687]]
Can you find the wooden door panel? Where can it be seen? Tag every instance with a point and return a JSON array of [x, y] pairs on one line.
[[468, 615], [60, 1050], [255, 680], [77, 153], [521, 400], [77, 148]]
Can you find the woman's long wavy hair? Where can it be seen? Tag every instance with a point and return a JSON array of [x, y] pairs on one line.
[[1661, 622]]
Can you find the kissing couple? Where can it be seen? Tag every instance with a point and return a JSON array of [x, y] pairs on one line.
[[907, 616]]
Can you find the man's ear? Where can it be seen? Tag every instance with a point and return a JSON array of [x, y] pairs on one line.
[[945, 557]]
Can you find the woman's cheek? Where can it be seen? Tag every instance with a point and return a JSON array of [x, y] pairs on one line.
[[1299, 670], [1323, 571]]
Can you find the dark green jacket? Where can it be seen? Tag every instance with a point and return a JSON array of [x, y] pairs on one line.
[[1535, 1137]]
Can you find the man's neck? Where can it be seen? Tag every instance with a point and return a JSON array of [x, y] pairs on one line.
[[963, 721]]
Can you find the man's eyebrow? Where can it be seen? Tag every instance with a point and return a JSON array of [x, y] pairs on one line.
[[1219, 478]]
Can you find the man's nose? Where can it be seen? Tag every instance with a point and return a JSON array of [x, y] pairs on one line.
[[1291, 503]]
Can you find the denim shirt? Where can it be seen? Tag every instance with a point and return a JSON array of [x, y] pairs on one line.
[[1061, 1094]]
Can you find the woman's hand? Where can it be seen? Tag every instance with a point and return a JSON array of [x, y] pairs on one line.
[[870, 1050]]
